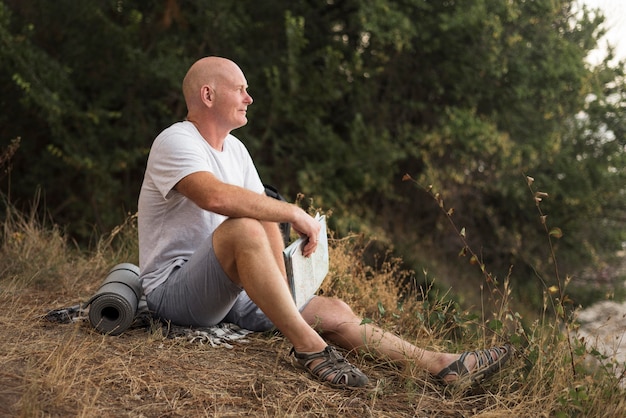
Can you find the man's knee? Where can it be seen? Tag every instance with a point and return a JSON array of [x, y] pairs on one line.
[[336, 305], [238, 231], [328, 313], [236, 237]]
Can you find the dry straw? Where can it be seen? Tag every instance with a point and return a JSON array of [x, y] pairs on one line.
[[51, 369]]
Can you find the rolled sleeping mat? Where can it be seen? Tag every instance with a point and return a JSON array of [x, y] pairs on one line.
[[113, 308]]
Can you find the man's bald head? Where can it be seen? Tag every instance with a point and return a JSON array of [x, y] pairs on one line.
[[210, 71]]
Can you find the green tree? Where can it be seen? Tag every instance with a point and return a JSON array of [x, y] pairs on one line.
[[468, 96]]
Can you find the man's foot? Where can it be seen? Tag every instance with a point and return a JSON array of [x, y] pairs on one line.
[[330, 367], [474, 366]]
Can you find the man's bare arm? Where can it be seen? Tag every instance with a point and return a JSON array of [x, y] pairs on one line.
[[211, 194]]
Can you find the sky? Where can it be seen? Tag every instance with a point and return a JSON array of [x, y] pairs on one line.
[[615, 21]]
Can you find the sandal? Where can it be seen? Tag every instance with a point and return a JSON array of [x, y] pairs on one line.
[[486, 365], [346, 376]]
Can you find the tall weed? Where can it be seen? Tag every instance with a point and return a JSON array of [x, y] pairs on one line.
[[555, 368]]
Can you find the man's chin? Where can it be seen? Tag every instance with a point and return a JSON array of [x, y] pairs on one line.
[[240, 125]]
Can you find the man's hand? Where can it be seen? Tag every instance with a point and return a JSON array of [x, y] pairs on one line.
[[307, 226]]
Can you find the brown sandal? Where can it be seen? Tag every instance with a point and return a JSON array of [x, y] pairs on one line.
[[344, 375], [486, 365]]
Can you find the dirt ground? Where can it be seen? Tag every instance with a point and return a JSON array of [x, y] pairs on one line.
[[64, 370]]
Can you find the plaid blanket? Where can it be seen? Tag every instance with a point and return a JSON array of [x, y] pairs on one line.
[[220, 335]]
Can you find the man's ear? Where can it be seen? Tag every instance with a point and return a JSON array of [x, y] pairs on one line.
[[207, 94]]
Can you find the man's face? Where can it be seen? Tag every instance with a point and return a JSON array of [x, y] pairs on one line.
[[232, 100]]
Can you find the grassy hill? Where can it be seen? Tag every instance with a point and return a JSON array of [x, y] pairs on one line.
[[66, 370]]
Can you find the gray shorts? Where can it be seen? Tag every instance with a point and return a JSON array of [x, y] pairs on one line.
[[199, 293]]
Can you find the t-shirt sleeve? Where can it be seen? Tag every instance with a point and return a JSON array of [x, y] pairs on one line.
[[174, 157]]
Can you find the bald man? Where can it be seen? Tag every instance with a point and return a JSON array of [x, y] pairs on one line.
[[210, 247]]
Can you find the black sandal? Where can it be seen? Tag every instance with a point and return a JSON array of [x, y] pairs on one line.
[[486, 365], [346, 376]]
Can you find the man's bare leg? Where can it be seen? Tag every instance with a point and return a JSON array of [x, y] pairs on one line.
[[249, 257], [336, 321], [277, 245], [256, 263]]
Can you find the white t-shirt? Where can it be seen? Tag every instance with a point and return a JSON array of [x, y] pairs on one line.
[[170, 225]]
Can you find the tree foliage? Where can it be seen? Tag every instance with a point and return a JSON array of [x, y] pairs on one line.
[[469, 96]]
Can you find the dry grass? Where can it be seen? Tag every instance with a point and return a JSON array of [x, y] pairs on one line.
[[61, 370]]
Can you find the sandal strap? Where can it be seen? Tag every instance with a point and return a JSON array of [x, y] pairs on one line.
[[486, 363], [456, 368], [333, 364], [484, 357]]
